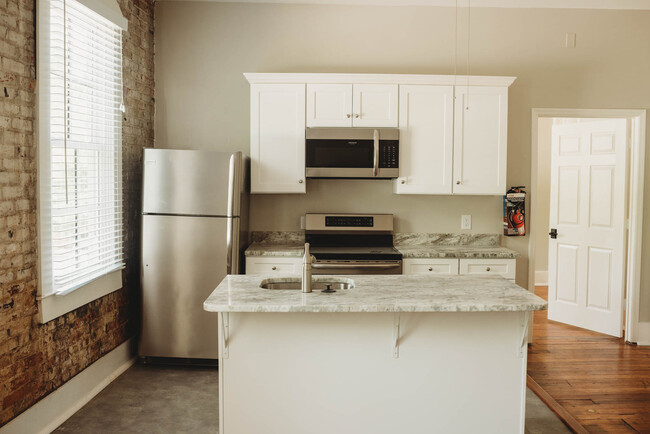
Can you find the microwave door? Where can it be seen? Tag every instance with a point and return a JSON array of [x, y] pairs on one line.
[[340, 158]]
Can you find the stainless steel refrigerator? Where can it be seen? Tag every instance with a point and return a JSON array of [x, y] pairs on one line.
[[193, 229]]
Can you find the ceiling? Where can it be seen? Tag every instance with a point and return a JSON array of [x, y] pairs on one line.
[[556, 4]]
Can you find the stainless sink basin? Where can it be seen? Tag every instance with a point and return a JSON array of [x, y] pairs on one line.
[[316, 285]]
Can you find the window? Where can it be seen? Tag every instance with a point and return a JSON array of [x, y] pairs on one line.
[[79, 149]]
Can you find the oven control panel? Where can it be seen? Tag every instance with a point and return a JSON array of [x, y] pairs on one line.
[[349, 221], [360, 223]]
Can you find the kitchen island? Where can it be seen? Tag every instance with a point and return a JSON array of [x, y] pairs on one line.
[[392, 354]]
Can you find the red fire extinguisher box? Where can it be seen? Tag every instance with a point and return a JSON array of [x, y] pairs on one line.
[[514, 206]]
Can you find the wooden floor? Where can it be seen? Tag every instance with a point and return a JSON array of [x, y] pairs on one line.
[[599, 380]]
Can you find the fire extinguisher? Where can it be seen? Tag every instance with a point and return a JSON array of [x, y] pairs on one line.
[[514, 208]]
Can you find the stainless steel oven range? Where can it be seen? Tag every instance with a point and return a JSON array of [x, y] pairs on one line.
[[352, 244]]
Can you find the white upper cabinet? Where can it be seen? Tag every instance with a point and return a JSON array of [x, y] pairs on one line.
[[480, 140], [278, 138], [453, 138], [426, 123], [374, 105], [352, 105], [329, 105]]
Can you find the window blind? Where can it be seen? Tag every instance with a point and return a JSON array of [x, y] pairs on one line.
[[81, 195]]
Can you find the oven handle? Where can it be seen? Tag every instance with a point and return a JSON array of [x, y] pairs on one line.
[[356, 266], [375, 169]]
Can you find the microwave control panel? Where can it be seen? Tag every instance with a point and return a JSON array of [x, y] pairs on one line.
[[389, 154]]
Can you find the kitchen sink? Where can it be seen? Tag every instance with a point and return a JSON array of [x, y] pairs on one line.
[[316, 285]]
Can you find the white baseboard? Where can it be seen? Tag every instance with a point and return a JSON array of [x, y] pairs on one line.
[[643, 333], [50, 412], [541, 278]]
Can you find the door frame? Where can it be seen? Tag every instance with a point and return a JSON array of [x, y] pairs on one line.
[[634, 330]]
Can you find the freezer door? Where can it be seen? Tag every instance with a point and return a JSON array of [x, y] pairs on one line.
[[183, 261], [189, 182]]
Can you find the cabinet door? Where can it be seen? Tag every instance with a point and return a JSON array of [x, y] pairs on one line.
[[329, 105], [278, 138], [273, 265], [446, 266], [374, 105], [480, 140], [426, 122], [502, 267]]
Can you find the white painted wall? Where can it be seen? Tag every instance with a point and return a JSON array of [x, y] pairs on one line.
[[202, 99]]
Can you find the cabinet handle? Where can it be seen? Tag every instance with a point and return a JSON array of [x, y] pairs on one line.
[[457, 182], [487, 269], [300, 181], [403, 181], [430, 268], [357, 115], [274, 268], [348, 115]]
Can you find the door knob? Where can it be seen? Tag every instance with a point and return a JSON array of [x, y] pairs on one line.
[[553, 233]]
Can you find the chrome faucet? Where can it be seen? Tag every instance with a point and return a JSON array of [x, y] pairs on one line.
[[307, 260]]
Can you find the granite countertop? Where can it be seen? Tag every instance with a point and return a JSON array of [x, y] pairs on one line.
[[393, 293], [410, 245]]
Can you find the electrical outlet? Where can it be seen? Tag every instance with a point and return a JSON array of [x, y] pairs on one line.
[[302, 222], [466, 221]]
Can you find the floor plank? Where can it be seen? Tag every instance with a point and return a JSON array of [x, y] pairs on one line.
[[602, 382]]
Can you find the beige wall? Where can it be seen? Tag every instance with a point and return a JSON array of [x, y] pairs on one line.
[[543, 191], [202, 99]]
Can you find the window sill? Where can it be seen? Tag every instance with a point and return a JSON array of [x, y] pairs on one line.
[[56, 305]]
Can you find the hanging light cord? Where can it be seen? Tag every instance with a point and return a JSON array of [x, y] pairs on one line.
[[469, 22]]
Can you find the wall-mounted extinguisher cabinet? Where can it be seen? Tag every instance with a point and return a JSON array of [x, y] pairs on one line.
[[514, 208]]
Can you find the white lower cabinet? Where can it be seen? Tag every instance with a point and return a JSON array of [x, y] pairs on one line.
[[273, 265], [430, 265], [463, 266], [503, 267]]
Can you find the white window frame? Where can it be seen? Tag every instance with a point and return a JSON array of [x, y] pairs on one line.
[[51, 304]]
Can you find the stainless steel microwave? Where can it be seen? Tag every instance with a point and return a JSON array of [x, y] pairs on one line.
[[352, 152]]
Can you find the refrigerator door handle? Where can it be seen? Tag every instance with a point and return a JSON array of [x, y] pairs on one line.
[[229, 246], [232, 243], [231, 186]]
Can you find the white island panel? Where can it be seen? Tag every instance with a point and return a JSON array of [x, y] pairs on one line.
[[342, 373]]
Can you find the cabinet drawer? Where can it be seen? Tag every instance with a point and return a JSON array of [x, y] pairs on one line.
[[431, 266], [272, 265], [503, 267]]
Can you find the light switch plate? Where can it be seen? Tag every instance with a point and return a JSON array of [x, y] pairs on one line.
[[466, 221], [570, 40]]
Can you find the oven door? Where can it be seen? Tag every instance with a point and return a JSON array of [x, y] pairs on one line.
[[338, 267]]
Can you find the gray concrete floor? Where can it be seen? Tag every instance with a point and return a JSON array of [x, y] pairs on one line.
[[161, 399]]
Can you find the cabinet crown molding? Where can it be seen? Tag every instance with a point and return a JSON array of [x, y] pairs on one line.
[[443, 80]]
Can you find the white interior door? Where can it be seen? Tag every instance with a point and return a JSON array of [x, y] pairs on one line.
[[329, 105], [588, 210]]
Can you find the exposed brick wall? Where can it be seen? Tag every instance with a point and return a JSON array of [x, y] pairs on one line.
[[37, 358]]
